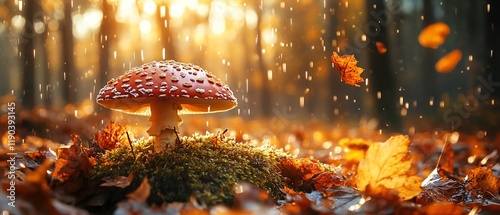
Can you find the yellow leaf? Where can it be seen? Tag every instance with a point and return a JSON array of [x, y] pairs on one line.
[[387, 164]]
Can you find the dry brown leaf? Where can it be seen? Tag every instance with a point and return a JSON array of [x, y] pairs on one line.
[[298, 171], [447, 158], [327, 180], [112, 136], [349, 72], [448, 62], [71, 161], [33, 195], [444, 208], [434, 35], [141, 194], [119, 181], [482, 178], [387, 164]]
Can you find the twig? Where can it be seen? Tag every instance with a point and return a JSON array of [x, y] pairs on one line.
[[221, 135], [178, 141], [130, 142]]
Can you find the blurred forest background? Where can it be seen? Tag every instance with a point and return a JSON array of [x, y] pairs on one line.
[[275, 56]]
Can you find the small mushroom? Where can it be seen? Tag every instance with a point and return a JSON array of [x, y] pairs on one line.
[[164, 108]]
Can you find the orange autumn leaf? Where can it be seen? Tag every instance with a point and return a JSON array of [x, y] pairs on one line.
[[448, 62], [356, 148], [381, 47], [482, 178], [349, 72], [112, 136], [141, 194], [434, 35], [387, 164]]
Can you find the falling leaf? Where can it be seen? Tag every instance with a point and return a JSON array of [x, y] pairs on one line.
[[380, 47], [349, 72], [434, 35], [388, 164], [448, 62]]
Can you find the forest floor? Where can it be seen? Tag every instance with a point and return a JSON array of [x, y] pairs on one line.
[[323, 169]]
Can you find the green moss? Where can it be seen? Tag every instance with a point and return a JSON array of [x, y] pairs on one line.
[[205, 167]]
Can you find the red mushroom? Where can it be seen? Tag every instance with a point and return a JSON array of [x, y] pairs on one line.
[[164, 90]]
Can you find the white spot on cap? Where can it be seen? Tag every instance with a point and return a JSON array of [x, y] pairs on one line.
[[174, 88]]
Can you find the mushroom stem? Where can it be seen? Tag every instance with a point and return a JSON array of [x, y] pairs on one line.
[[164, 118]]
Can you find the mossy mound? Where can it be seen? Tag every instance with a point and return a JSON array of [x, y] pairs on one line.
[[205, 167]]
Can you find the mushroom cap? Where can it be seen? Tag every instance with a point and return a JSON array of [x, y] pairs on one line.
[[188, 85]]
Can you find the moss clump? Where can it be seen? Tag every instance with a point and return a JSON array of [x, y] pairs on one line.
[[205, 167]]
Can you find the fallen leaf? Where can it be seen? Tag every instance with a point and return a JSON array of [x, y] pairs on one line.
[[250, 199], [349, 72], [33, 195], [378, 200], [356, 148], [141, 194], [388, 164], [380, 47], [112, 136], [326, 180], [438, 209], [482, 178], [448, 62], [437, 189], [120, 181], [337, 200], [298, 173], [70, 161], [434, 35]]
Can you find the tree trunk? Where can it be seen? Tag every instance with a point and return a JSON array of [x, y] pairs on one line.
[[67, 79], [382, 78], [27, 48], [106, 34], [166, 34], [492, 40], [262, 69]]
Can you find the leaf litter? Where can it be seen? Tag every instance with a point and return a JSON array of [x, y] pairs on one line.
[[381, 177]]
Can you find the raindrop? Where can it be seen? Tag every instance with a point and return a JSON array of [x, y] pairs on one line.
[[246, 85]]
